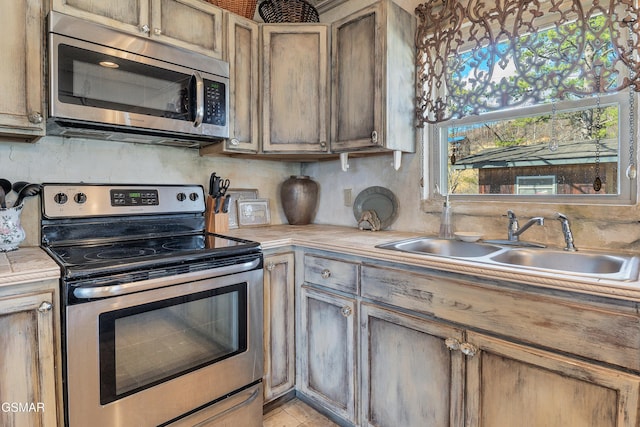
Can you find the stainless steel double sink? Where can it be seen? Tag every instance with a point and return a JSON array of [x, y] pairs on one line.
[[587, 263]]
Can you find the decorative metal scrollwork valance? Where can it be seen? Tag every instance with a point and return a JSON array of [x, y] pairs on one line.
[[484, 55]]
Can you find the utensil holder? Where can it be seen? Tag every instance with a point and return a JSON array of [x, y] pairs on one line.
[[11, 231], [215, 222]]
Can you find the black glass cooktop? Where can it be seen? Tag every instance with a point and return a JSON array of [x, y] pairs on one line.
[[158, 250]]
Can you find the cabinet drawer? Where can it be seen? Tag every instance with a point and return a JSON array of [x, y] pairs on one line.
[[593, 330], [332, 273]]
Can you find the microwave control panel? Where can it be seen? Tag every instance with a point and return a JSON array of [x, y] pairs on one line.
[[215, 111]]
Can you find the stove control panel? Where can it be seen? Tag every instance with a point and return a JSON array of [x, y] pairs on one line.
[[86, 200], [135, 197]]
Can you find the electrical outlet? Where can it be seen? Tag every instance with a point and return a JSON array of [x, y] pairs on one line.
[[346, 194]]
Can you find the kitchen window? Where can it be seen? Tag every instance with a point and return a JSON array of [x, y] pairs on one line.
[[529, 92]]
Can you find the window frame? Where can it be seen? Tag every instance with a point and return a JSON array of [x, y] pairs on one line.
[[435, 146]]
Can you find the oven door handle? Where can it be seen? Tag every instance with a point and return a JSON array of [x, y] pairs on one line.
[[144, 285]]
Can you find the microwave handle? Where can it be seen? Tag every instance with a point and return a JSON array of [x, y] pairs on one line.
[[199, 92]]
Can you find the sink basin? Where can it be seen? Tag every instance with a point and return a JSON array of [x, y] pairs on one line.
[[442, 247], [592, 264]]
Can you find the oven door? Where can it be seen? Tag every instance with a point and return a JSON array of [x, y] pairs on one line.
[[148, 357]]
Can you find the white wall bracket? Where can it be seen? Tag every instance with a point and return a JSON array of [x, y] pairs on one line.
[[344, 161]]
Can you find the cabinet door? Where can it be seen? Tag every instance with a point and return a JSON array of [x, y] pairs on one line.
[[279, 320], [192, 24], [127, 15], [21, 103], [409, 375], [373, 81], [27, 367], [357, 78], [514, 385], [241, 52], [328, 343], [295, 96]]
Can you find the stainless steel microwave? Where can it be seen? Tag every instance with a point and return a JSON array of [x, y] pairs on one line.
[[107, 84]]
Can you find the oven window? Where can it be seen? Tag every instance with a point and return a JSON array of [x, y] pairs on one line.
[[148, 344]]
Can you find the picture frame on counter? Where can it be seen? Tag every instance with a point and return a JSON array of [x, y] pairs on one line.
[[253, 212], [238, 194]]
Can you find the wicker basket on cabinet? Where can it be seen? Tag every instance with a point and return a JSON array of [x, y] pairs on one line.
[[246, 8], [280, 11]]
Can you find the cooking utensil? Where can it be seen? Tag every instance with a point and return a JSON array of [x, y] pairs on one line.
[[27, 191], [6, 188], [214, 182], [17, 186], [225, 204]]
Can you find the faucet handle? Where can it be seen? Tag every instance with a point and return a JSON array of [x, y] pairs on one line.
[[511, 214]]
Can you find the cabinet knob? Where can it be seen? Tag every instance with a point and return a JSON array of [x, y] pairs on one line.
[[271, 266], [326, 273], [323, 145], [35, 117], [468, 350], [374, 137], [144, 29], [157, 31], [45, 307], [452, 344], [234, 142], [346, 311]]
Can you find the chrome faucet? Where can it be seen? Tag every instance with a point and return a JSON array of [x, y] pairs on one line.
[[566, 230], [514, 231]]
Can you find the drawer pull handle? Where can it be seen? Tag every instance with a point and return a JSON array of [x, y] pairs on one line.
[[326, 273], [346, 311], [271, 266], [452, 344], [468, 350], [45, 307]]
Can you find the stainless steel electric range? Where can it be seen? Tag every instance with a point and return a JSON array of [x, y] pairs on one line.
[[162, 322]]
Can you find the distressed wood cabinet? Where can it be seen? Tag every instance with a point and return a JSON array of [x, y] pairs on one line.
[[21, 68], [295, 88], [543, 357], [328, 345], [373, 79], [279, 321], [192, 24], [409, 376], [510, 384], [241, 52], [27, 356]]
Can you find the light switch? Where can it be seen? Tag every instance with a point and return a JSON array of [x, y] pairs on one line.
[[346, 193]]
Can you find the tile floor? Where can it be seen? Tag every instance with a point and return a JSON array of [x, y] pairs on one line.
[[296, 413]]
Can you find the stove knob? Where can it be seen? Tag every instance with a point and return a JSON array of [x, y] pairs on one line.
[[60, 198], [181, 197], [80, 198], [193, 197]]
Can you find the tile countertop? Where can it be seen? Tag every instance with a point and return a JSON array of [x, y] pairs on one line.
[[352, 241], [27, 264]]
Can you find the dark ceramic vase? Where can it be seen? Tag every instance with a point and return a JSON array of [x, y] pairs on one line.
[[299, 197]]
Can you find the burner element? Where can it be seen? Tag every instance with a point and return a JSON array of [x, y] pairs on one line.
[[119, 253]]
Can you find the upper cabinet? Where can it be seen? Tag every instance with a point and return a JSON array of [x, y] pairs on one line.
[[295, 88], [192, 24], [373, 80], [241, 52], [21, 103]]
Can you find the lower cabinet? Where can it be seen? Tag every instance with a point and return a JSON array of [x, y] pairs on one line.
[[328, 345], [515, 385], [279, 321], [27, 360], [409, 376]]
